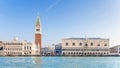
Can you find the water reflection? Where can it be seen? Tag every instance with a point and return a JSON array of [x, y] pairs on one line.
[[36, 62]]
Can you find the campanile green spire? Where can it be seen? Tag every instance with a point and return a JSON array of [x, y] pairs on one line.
[[38, 21]]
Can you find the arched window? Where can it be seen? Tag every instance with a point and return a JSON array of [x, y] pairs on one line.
[[88, 53], [30, 52], [96, 52], [79, 52], [73, 44], [71, 52], [63, 53], [74, 53], [66, 44], [80, 44], [91, 44], [86, 44], [104, 53], [93, 53], [105, 45], [25, 53], [85, 53], [30, 48]]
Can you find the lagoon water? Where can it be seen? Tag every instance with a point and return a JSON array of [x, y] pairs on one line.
[[59, 62]]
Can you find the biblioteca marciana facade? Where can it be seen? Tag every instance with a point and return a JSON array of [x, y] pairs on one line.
[[85, 46], [19, 48]]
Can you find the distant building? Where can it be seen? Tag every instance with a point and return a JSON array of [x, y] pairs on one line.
[[52, 50], [85, 46], [46, 51], [58, 49], [115, 50]]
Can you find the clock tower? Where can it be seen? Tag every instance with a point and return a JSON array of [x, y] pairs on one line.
[[38, 33]]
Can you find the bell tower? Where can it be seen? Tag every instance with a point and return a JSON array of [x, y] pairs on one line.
[[38, 33]]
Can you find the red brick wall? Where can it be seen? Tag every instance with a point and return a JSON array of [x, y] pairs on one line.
[[38, 40]]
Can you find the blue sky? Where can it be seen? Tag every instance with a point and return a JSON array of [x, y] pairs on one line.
[[60, 19]]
